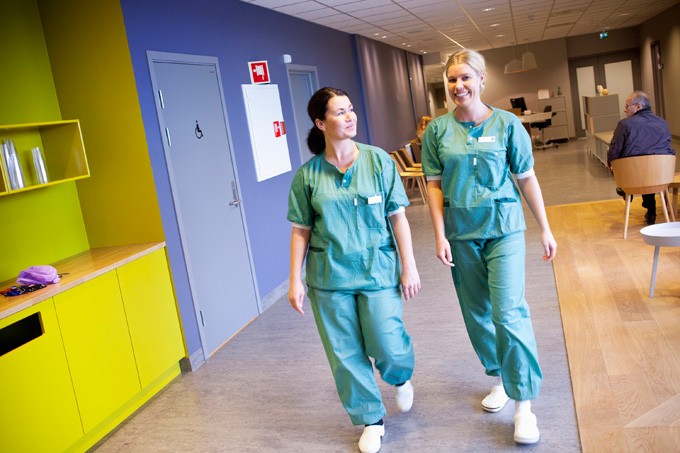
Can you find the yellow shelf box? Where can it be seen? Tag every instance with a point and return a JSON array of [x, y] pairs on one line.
[[62, 145]]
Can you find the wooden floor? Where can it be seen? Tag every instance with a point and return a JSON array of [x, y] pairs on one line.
[[623, 347]]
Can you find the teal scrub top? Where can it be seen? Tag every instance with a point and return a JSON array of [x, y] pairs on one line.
[[351, 244], [475, 165]]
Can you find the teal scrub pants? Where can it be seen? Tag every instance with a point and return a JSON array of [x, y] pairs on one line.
[[356, 325], [489, 276]]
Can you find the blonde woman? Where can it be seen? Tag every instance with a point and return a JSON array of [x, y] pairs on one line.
[[475, 158]]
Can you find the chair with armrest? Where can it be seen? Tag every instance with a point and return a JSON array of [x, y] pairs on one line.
[[541, 125], [639, 175]]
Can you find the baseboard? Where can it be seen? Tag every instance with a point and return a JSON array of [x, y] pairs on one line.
[[274, 295], [192, 363]]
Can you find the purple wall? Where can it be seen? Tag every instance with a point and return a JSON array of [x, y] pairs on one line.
[[235, 33]]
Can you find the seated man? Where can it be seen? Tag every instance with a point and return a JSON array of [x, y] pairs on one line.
[[640, 133]]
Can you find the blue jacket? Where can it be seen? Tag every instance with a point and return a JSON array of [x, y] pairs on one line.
[[639, 135]]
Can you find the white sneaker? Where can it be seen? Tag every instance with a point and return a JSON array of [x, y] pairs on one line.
[[526, 429], [495, 400], [371, 438], [404, 396]]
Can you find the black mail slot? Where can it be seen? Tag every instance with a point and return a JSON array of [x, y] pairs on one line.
[[20, 333]]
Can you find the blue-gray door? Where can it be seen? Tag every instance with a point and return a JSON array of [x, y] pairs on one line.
[[303, 84], [201, 168]]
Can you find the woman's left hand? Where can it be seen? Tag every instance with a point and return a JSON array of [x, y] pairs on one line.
[[410, 283], [549, 245]]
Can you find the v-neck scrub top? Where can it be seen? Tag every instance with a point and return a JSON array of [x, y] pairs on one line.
[[475, 165], [351, 244]]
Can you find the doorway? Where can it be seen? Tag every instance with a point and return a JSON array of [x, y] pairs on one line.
[[198, 152], [618, 72], [303, 82]]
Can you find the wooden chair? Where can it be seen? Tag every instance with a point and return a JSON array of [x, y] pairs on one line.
[[410, 177], [415, 150], [645, 174], [408, 162]]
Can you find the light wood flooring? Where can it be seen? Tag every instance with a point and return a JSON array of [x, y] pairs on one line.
[[623, 347]]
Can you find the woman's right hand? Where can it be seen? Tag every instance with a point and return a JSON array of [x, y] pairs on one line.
[[296, 295], [443, 251]]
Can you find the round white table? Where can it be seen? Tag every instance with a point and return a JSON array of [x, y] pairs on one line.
[[660, 235]]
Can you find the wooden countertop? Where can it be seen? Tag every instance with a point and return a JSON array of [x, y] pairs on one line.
[[77, 269]]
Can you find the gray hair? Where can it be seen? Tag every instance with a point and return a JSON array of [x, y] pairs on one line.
[[640, 98]]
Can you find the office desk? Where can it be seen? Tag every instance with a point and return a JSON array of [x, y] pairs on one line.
[[533, 118], [527, 120]]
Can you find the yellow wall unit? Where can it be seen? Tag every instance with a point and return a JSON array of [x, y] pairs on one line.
[[109, 340], [39, 412], [98, 348], [154, 326]]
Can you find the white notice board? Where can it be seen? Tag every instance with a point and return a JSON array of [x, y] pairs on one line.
[[267, 130]]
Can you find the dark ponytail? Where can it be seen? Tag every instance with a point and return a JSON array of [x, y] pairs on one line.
[[316, 109]]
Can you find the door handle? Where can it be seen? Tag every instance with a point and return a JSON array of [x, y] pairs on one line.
[[235, 202]]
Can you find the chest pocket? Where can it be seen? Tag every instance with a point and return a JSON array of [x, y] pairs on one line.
[[370, 212], [491, 169]]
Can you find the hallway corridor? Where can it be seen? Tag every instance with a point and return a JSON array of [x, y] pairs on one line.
[[270, 388]]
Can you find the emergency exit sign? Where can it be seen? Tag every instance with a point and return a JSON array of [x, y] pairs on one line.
[[259, 71]]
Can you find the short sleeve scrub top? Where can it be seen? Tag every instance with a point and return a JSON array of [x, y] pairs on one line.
[[351, 246]]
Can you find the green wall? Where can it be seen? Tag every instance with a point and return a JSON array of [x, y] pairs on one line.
[[44, 225], [93, 76]]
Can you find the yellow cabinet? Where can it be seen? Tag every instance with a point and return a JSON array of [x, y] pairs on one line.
[[39, 411], [62, 145], [98, 349], [152, 315]]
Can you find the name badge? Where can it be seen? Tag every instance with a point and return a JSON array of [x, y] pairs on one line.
[[375, 199], [487, 139]]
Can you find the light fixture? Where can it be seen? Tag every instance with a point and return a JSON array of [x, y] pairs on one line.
[[528, 61], [513, 65]]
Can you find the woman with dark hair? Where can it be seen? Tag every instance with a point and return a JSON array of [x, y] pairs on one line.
[[477, 160], [347, 209]]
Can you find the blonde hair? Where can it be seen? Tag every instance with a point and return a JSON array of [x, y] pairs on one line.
[[422, 124], [471, 58]]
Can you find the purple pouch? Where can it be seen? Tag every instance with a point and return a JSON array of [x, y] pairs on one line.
[[38, 275]]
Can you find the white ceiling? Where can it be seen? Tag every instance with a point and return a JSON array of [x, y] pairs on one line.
[[444, 26]]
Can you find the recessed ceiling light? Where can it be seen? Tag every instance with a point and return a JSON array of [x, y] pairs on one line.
[[494, 25], [499, 36], [486, 10], [384, 36], [376, 34], [624, 14]]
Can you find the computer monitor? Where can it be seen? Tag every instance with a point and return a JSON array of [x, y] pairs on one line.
[[518, 103]]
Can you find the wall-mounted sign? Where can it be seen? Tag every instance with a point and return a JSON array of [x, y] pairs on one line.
[[259, 71], [270, 145], [279, 128]]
